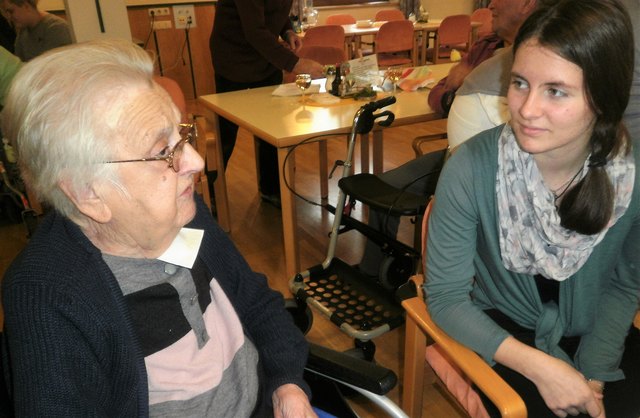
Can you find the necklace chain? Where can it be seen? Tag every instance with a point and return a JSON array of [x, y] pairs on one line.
[[565, 186]]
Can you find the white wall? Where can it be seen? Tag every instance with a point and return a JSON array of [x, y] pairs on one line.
[[83, 18], [438, 9], [59, 4]]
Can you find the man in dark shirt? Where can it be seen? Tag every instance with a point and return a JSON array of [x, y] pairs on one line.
[[247, 52]]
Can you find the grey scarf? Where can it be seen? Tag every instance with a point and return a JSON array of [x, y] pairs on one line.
[[531, 238]]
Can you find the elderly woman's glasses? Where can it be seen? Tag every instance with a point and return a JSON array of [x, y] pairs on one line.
[[172, 156]]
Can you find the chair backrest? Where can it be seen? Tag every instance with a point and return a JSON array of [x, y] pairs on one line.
[[174, 90], [394, 36], [388, 15], [455, 29], [340, 19], [484, 16], [324, 35], [325, 55]]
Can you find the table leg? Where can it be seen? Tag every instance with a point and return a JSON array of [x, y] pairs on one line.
[[220, 185], [324, 170], [426, 37], [289, 218], [378, 163], [357, 46], [364, 153]]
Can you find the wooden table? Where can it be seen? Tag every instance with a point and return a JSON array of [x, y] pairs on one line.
[[282, 122]]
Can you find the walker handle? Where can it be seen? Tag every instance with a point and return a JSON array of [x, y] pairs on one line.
[[364, 118], [379, 104]]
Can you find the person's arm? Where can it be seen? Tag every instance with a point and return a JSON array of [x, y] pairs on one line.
[[58, 34], [9, 66], [564, 389], [465, 187], [55, 365], [480, 51], [289, 401], [257, 32], [598, 356], [304, 65]]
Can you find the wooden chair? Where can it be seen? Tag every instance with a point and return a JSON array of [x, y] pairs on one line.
[[484, 16], [394, 43], [457, 366], [205, 141], [325, 55], [440, 134], [344, 19], [454, 33], [340, 19], [324, 35], [388, 15]]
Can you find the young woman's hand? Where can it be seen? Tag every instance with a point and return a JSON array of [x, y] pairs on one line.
[[564, 389]]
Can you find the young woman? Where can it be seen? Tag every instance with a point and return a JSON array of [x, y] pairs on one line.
[[535, 231]]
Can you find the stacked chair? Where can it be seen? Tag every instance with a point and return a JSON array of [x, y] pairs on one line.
[[454, 33], [388, 15], [394, 44]]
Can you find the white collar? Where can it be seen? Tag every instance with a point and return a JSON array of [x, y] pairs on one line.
[[184, 248]]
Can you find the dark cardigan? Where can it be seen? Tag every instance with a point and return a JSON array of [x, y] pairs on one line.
[[71, 343]]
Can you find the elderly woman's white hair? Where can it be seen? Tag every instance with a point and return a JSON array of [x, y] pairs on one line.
[[64, 110]]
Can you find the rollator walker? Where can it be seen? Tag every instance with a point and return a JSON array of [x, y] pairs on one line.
[[361, 306]]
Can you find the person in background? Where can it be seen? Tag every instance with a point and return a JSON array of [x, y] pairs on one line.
[[37, 31], [632, 114], [481, 103], [535, 230], [247, 52], [442, 94], [9, 66], [508, 15], [7, 34], [129, 300]]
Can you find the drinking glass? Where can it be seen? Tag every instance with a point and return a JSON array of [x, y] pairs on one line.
[[394, 74], [303, 81]]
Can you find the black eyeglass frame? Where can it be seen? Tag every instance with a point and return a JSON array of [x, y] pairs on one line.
[[171, 159]]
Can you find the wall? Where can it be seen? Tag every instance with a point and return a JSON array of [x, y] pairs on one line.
[[172, 42], [174, 55], [438, 9]]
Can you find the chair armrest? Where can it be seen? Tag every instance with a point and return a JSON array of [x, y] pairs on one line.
[[345, 368], [472, 365], [206, 143]]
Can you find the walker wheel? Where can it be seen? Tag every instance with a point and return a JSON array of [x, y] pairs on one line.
[[396, 270]]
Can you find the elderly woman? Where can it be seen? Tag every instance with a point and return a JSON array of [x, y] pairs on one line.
[[129, 300], [534, 237]]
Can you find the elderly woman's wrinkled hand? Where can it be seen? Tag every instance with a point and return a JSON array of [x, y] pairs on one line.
[[289, 401]]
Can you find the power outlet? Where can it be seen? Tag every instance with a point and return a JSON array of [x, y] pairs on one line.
[[184, 16], [161, 24], [159, 11]]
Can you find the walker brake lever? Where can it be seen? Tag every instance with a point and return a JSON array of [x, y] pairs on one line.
[[335, 165], [390, 117]]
